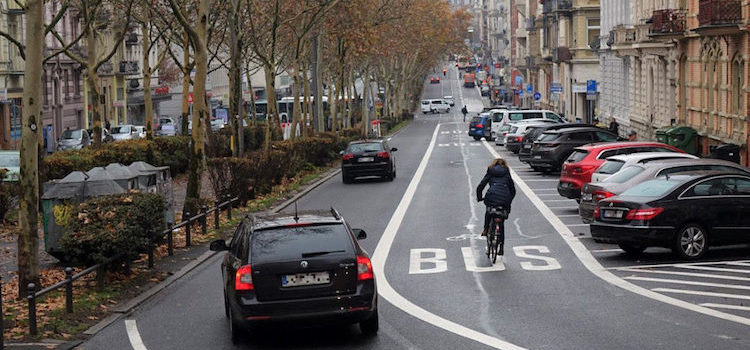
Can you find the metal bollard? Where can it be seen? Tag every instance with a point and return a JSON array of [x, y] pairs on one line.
[[170, 246], [69, 290], [100, 278], [216, 215], [150, 254], [204, 220], [32, 308], [187, 233]]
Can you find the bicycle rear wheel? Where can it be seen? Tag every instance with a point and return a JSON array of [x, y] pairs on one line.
[[492, 242]]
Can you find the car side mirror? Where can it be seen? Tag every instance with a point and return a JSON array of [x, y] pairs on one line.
[[360, 233], [394, 149], [218, 245]]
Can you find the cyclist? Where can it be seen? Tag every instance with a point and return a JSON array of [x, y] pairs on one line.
[[464, 111], [501, 191]]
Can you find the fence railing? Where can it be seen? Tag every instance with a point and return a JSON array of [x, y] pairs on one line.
[[100, 269]]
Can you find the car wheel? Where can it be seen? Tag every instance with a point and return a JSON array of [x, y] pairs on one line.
[[371, 325], [477, 138], [691, 242], [536, 168], [234, 329], [632, 249]]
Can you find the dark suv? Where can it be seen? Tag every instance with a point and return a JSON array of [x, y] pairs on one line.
[[533, 132], [302, 267], [554, 146]]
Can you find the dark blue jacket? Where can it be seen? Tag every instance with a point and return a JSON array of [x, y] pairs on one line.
[[501, 191]]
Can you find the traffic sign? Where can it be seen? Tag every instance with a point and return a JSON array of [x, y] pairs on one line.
[[519, 80], [530, 88], [556, 88], [591, 89], [537, 96]]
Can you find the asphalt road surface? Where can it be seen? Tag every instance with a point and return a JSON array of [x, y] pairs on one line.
[[555, 289]]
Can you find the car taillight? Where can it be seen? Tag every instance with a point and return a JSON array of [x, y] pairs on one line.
[[347, 157], [505, 133], [643, 214], [597, 214], [479, 126], [581, 169], [383, 155], [243, 279], [599, 195], [364, 268], [519, 138]]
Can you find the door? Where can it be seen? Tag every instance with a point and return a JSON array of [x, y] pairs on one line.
[[712, 204]]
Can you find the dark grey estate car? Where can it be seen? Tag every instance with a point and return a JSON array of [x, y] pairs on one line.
[[306, 267], [554, 146]]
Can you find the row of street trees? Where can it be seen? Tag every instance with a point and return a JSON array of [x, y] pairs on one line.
[[388, 45]]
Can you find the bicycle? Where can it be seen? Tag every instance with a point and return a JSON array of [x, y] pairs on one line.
[[496, 232]]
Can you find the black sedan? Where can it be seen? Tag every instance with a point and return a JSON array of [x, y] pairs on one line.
[[306, 268], [686, 213], [368, 158]]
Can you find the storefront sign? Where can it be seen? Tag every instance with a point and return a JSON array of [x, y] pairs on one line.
[[162, 90]]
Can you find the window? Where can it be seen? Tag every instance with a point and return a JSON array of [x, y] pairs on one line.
[[605, 136], [652, 188], [737, 85], [548, 137], [624, 175], [366, 147], [580, 136], [577, 156], [556, 117], [593, 29], [610, 167], [290, 243]]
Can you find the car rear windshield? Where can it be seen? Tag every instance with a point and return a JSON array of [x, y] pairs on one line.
[[71, 134], [652, 188], [476, 120], [610, 167], [286, 243], [366, 147], [425, 102], [526, 115], [513, 129], [121, 130], [577, 156], [552, 136], [624, 175]]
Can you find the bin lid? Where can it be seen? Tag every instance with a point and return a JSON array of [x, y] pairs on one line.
[[665, 129], [682, 129]]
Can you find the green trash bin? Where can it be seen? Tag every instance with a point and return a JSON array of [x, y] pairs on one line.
[[684, 138], [661, 134]]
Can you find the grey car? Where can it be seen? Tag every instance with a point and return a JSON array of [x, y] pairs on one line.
[[73, 139], [124, 132], [626, 178]]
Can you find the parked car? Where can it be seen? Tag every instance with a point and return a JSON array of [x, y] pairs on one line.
[[500, 139], [584, 160], [11, 162], [166, 127], [435, 80], [140, 131], [484, 90], [368, 158], [73, 139], [502, 116], [630, 176], [553, 147], [613, 164], [307, 266], [518, 129], [124, 132], [449, 100], [533, 132], [687, 213], [434, 106], [481, 126]]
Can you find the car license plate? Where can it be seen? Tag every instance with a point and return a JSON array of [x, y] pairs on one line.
[[587, 197], [612, 214], [472, 129], [366, 159], [527, 146], [537, 157], [305, 279]]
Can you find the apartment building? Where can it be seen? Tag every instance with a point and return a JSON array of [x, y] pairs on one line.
[[11, 76], [617, 36]]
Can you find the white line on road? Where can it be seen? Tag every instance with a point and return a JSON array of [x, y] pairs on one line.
[[590, 262], [738, 263], [687, 274], [135, 338], [688, 282], [536, 180], [681, 264], [613, 250], [725, 306], [564, 208], [577, 225], [568, 215], [708, 268], [380, 256], [548, 194], [557, 200], [701, 293]]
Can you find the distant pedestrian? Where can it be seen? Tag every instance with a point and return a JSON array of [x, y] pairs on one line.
[[464, 111], [614, 127], [632, 136], [597, 123]]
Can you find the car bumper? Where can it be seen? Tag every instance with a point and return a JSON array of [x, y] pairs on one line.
[[586, 210], [542, 162], [323, 310], [524, 156], [569, 190], [477, 132], [366, 169], [513, 146], [635, 235]]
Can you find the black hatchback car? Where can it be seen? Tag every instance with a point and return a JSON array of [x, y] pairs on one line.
[[554, 146], [307, 267], [533, 132], [368, 158], [684, 212]]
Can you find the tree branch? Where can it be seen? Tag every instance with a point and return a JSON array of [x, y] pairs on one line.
[[16, 43]]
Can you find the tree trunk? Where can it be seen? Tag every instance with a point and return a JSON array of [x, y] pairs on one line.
[[365, 106], [317, 55], [92, 80], [145, 31], [200, 111], [235, 90], [333, 102], [185, 113], [308, 105], [252, 94], [352, 98], [28, 214], [297, 109], [272, 120]]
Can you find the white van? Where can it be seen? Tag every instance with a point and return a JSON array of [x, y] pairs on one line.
[[502, 116], [434, 106]]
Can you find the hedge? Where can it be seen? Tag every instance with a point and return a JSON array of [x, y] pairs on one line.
[[115, 224]]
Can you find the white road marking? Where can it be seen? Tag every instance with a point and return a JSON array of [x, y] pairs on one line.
[[565, 208], [568, 215], [380, 257], [614, 250], [436, 259], [701, 293], [708, 268], [680, 264], [558, 200], [518, 229], [471, 266], [590, 262], [725, 306], [688, 274], [578, 225], [550, 262], [548, 194], [688, 282], [135, 338], [738, 263]]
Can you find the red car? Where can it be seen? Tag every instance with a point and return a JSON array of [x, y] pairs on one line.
[[434, 80], [577, 169]]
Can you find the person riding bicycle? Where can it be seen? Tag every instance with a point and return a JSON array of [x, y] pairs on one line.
[[501, 192], [464, 111]]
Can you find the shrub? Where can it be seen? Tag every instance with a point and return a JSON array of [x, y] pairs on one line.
[[109, 225], [8, 194], [171, 151]]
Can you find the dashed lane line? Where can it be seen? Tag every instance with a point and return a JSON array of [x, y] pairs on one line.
[[593, 265]]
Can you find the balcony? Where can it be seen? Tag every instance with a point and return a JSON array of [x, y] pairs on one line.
[[129, 68], [719, 12], [561, 54], [668, 22]]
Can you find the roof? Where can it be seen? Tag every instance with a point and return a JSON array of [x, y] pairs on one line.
[[606, 145], [637, 157], [314, 217], [141, 166]]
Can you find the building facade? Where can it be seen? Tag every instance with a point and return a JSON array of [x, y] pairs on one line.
[[614, 99], [11, 76]]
